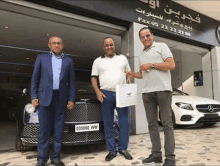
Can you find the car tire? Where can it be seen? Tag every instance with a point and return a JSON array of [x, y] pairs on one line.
[[12, 114], [174, 120], [18, 143], [209, 124]]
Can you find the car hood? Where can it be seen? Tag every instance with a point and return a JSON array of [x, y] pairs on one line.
[[193, 99]]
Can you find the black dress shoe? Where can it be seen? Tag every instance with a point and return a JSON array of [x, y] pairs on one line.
[[126, 154], [110, 156], [40, 163], [57, 163]]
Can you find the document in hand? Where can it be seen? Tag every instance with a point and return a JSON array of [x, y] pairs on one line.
[[126, 95]]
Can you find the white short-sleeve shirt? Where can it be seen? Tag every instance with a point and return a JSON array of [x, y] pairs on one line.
[[156, 80], [111, 71]]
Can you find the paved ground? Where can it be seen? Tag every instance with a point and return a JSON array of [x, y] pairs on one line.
[[196, 145]]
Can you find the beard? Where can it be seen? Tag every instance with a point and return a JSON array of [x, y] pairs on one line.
[[111, 55], [57, 53]]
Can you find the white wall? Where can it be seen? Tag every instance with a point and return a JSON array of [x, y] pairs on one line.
[[183, 75], [190, 62], [139, 121], [215, 52]]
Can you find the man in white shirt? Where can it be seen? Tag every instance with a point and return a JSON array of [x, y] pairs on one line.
[[110, 69]]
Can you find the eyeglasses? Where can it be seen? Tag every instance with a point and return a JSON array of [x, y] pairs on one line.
[[107, 45], [147, 36], [54, 43]]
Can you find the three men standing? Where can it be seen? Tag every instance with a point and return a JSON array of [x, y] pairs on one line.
[[53, 89], [155, 62], [110, 69], [53, 85]]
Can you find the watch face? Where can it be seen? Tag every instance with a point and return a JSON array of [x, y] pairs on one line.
[[152, 65]]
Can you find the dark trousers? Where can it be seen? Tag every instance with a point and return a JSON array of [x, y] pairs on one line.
[[51, 119], [107, 110], [161, 99]]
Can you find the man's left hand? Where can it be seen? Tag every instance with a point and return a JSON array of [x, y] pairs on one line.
[[145, 67], [70, 105]]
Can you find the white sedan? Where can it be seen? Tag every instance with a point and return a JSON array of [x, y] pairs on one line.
[[189, 110]]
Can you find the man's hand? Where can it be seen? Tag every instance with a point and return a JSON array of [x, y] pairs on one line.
[[34, 102], [70, 105], [129, 75], [145, 67], [100, 96]]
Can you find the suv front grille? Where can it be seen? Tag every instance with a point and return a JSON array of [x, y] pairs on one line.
[[208, 108], [31, 131], [84, 112]]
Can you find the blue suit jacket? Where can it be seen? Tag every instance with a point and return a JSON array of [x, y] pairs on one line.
[[42, 80]]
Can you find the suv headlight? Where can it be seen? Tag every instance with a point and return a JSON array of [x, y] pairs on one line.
[[29, 108], [186, 106]]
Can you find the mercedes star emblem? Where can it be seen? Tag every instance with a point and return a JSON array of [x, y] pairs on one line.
[[210, 108]]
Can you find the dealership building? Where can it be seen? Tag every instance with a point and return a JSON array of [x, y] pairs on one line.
[[193, 38]]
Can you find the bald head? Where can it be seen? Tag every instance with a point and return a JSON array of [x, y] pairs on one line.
[[56, 45]]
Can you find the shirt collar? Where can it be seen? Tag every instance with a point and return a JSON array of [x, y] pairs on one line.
[[60, 57], [152, 45], [104, 55]]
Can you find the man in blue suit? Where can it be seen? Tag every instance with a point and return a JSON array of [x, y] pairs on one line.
[[53, 91]]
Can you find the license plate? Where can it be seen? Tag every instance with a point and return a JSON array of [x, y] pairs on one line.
[[87, 127], [211, 115]]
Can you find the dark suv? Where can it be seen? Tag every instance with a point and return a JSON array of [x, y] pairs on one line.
[[83, 125]]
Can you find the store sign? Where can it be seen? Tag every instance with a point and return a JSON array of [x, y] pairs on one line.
[[170, 19], [164, 15]]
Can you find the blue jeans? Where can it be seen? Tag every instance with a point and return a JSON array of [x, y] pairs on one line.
[[107, 110], [51, 119]]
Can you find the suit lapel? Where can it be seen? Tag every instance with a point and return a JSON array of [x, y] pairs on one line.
[[49, 60], [63, 67]]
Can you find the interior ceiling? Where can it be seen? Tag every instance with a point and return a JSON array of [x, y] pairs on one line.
[[29, 30], [209, 8]]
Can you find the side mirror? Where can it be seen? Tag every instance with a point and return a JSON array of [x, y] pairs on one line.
[[24, 92]]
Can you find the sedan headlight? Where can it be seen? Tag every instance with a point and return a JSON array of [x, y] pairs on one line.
[[29, 108], [186, 106]]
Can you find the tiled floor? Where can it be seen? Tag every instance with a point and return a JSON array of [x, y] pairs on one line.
[[196, 145]]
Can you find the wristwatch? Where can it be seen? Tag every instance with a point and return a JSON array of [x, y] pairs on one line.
[[152, 65]]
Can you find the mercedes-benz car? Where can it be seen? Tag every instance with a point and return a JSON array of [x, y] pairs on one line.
[[189, 110], [83, 125]]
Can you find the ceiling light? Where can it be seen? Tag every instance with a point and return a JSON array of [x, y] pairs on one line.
[[27, 58], [48, 34]]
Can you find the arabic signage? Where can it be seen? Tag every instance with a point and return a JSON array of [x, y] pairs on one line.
[[173, 20], [165, 16]]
